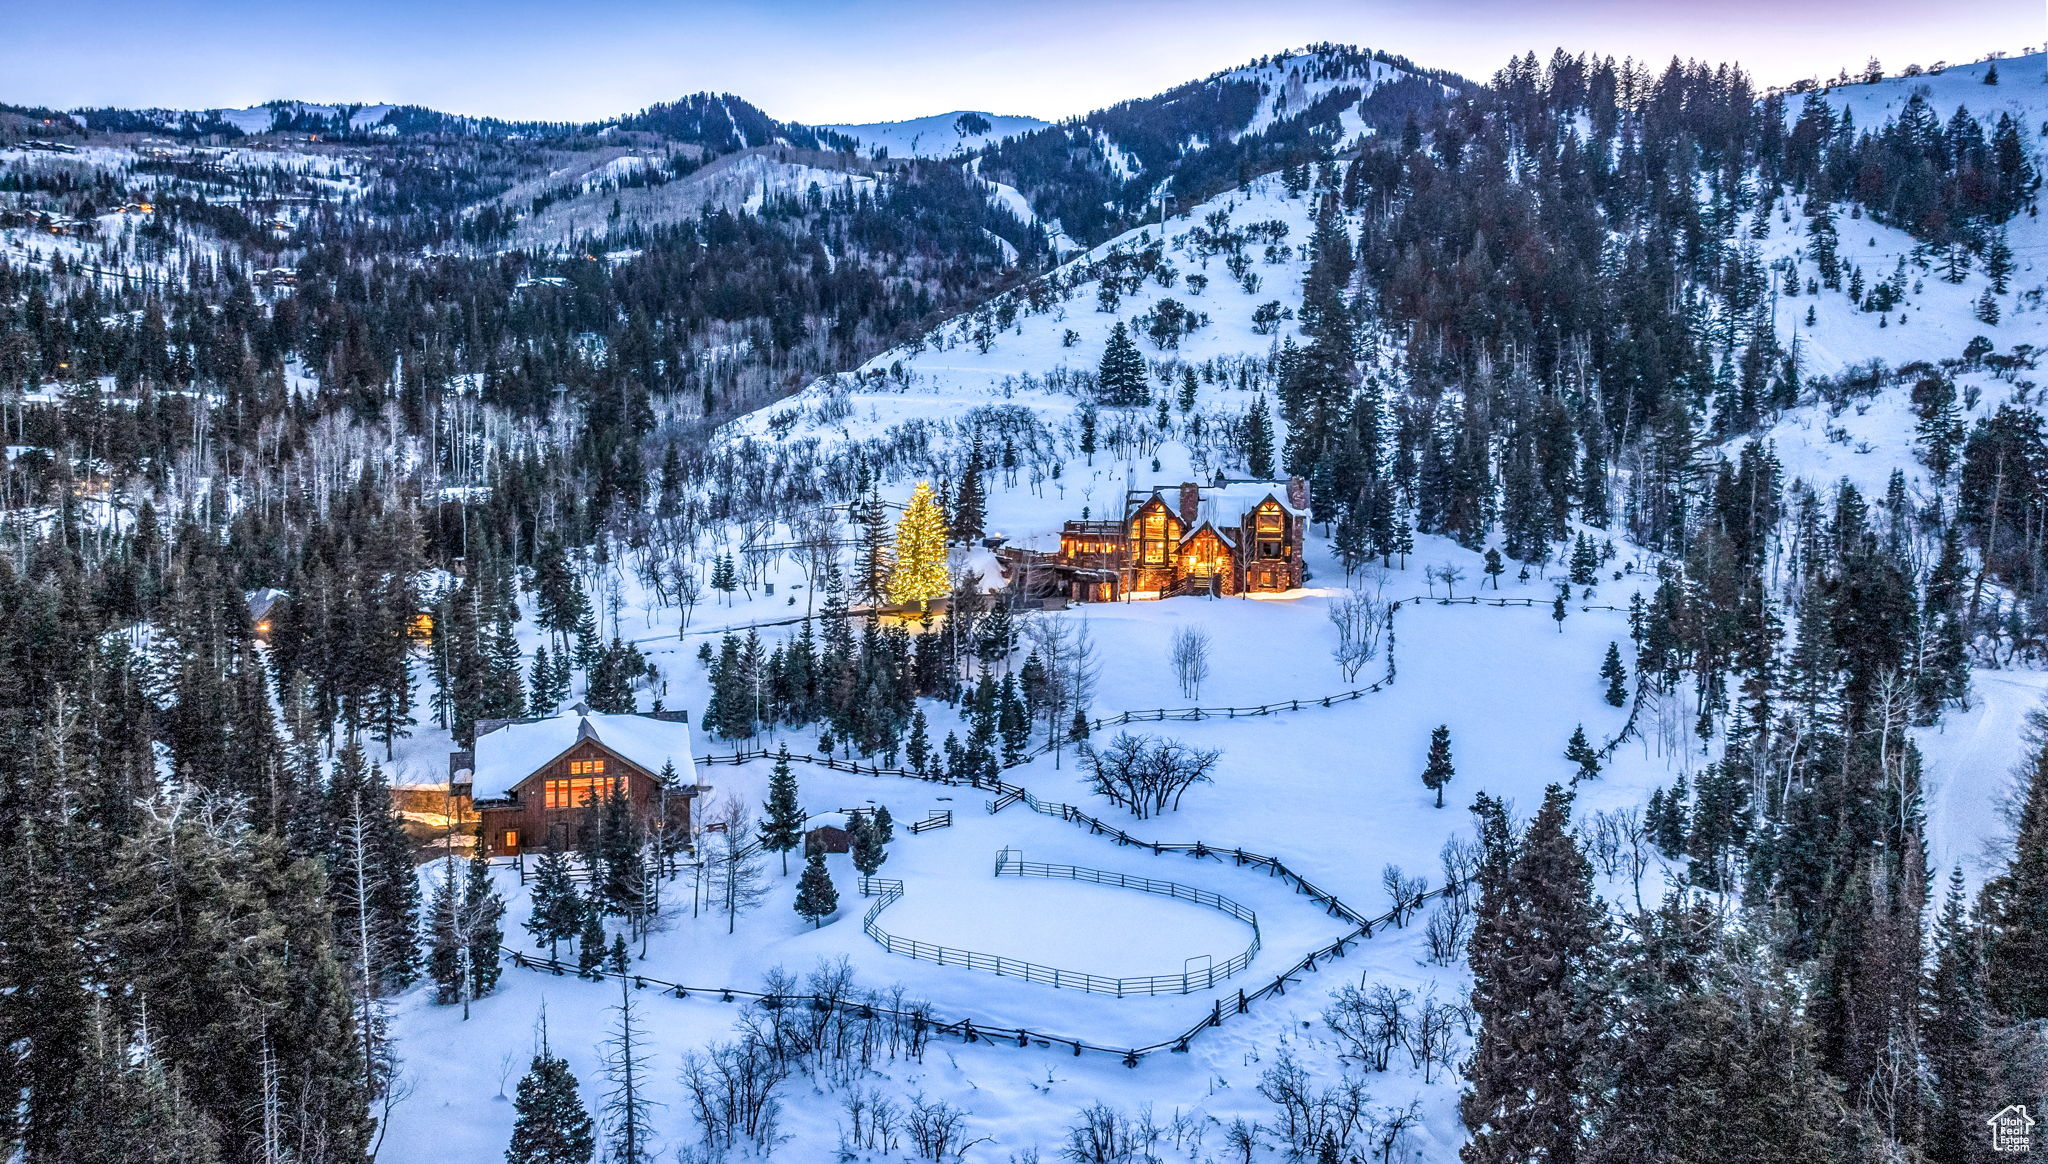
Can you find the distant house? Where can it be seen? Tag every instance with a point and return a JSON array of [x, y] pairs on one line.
[[1227, 537], [261, 602], [831, 832], [529, 780]]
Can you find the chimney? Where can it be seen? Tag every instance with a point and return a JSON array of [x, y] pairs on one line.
[[1297, 493], [1190, 501]]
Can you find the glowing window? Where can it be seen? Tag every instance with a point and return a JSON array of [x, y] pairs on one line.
[[578, 791]]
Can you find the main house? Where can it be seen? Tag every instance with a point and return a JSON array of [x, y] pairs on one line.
[[528, 780], [1227, 537]]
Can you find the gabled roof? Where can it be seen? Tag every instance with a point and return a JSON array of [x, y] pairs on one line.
[[1230, 501], [1195, 531], [1158, 498], [510, 753]]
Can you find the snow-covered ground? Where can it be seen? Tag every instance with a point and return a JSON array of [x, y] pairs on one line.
[[2020, 90], [941, 135], [1333, 791]]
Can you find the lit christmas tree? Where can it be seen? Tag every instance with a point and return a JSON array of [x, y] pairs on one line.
[[919, 574]]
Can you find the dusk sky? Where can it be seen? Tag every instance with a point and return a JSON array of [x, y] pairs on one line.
[[867, 60]]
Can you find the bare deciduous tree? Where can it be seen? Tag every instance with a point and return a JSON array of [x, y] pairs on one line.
[[1404, 894], [1450, 923], [1369, 1021], [1190, 660], [1065, 648], [1145, 775], [936, 1129], [731, 1088], [1360, 618], [734, 860]]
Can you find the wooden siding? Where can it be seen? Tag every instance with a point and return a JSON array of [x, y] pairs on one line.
[[524, 821]]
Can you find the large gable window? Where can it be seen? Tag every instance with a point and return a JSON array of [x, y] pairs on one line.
[[1270, 530], [577, 791], [1154, 533]]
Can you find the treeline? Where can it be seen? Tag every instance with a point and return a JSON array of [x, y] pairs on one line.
[[1070, 175]]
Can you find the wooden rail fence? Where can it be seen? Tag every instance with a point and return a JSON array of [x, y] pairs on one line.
[[888, 892], [1221, 1009]]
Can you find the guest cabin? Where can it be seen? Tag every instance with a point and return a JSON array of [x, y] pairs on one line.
[[529, 780], [1227, 537]]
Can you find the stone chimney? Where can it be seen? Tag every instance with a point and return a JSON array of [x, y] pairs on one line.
[[1297, 493], [1190, 501]]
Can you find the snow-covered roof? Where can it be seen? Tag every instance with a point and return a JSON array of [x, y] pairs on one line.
[[1224, 505], [509, 754], [1230, 501], [260, 601]]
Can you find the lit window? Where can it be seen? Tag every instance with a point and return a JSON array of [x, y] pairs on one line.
[[586, 767], [578, 791]]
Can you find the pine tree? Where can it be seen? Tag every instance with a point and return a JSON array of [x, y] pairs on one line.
[[446, 948], [1403, 543], [590, 944], [1495, 567], [1557, 604], [1616, 675], [969, 505], [918, 750], [558, 909], [2015, 905], [1705, 1044], [1122, 381], [1998, 264], [1258, 440], [1579, 752], [1956, 1028], [1986, 309], [871, 554], [919, 573], [816, 898], [371, 879], [1315, 388], [1667, 831], [1438, 771], [782, 818], [1537, 935], [1585, 562], [540, 687], [229, 938], [131, 1108], [868, 851], [551, 1125]]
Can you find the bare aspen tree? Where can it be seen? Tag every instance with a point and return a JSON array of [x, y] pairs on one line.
[[1359, 619], [737, 883], [1190, 660]]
